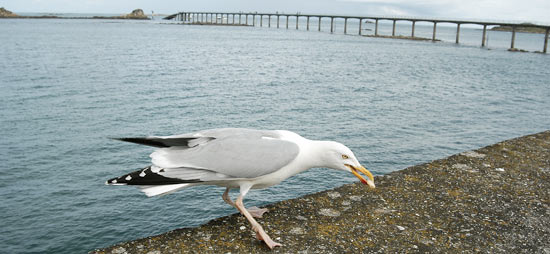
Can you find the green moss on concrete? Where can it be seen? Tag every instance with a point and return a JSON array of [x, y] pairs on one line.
[[494, 199]]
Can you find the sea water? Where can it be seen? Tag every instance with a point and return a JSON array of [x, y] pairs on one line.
[[66, 86]]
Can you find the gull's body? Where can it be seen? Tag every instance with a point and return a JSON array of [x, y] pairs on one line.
[[235, 158]]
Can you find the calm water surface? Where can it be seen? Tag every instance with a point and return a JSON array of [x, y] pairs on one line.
[[68, 85]]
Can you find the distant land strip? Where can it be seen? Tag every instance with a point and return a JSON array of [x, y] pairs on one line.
[[522, 28], [135, 14]]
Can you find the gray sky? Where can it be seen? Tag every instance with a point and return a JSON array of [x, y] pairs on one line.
[[505, 10]]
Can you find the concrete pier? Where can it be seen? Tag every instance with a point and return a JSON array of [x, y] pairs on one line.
[[491, 200], [195, 16]]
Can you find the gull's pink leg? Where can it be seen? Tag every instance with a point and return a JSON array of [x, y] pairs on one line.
[[254, 211], [260, 233], [227, 199]]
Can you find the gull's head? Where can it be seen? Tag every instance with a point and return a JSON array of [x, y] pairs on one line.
[[339, 156]]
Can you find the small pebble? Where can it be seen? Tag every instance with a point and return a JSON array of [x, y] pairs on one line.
[[297, 231], [242, 228], [119, 250], [329, 212], [461, 166], [355, 198], [473, 154], [334, 195], [499, 169], [400, 228]]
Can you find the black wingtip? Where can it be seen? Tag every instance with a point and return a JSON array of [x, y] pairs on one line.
[[142, 141], [146, 176]]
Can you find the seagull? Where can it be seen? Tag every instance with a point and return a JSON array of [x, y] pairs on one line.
[[236, 158]]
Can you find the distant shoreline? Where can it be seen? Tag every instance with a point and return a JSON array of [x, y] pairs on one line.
[[58, 17], [521, 29], [135, 14]]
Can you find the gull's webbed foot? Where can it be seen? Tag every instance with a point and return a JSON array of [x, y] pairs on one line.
[[256, 212], [262, 235]]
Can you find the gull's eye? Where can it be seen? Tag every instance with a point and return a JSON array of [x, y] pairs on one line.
[[345, 157]]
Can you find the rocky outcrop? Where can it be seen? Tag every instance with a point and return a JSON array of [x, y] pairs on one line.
[[491, 200], [136, 14], [7, 14]]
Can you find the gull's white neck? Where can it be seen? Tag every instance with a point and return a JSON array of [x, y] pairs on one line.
[[313, 153]]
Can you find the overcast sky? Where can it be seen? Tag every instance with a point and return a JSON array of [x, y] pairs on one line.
[[507, 10]]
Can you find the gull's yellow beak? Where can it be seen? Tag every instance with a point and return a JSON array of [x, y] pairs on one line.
[[369, 181]]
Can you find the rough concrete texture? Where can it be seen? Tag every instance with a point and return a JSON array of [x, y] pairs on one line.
[[492, 200]]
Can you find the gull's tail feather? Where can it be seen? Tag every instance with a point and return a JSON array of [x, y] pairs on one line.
[[159, 190]]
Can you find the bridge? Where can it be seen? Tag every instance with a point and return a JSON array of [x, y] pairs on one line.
[[220, 17]]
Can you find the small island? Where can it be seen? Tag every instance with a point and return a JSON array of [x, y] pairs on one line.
[[7, 14], [135, 14], [522, 28]]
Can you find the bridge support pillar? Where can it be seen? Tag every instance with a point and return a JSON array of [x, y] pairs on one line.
[[457, 33], [268, 20], [393, 28], [484, 36], [376, 28], [307, 26], [345, 25], [319, 27], [513, 37], [278, 21], [297, 21], [435, 28], [261, 20], [360, 24], [287, 22], [413, 26], [331, 24], [546, 40]]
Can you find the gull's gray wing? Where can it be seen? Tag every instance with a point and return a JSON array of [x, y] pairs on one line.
[[231, 153], [195, 138]]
